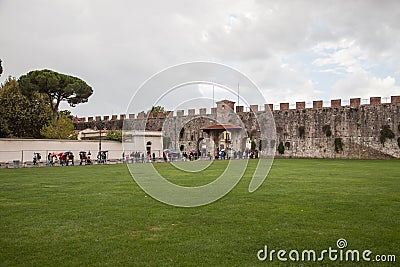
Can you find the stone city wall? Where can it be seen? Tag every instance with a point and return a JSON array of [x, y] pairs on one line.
[[344, 129]]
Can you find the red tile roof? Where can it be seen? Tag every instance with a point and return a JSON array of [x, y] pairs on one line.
[[221, 127]]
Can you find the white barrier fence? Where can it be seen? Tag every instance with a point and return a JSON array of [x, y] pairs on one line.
[[22, 150]]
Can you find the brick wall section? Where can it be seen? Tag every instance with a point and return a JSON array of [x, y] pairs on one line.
[[269, 107], [395, 99], [300, 105], [336, 103], [254, 108], [317, 104], [239, 109], [284, 106], [375, 101], [355, 102]]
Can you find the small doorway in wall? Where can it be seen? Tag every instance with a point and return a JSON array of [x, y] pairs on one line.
[[148, 147]]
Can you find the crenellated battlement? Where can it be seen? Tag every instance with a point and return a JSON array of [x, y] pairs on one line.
[[353, 102]]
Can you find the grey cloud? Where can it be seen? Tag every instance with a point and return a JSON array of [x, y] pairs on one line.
[[117, 45]]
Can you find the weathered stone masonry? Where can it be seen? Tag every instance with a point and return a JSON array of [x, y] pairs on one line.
[[306, 132]]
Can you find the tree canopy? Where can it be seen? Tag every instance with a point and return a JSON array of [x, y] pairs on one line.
[[57, 87], [21, 116], [155, 110], [59, 128]]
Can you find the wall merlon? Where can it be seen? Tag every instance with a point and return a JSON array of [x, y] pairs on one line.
[[254, 108], [269, 107], [202, 111], [213, 110], [131, 116], [355, 102], [301, 105], [239, 109], [284, 106], [336, 102], [122, 116], [318, 104], [98, 118], [395, 99], [106, 118], [191, 112], [180, 113], [114, 117], [374, 100]]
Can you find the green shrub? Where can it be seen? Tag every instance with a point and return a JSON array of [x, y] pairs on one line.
[[338, 145], [327, 130], [281, 148], [60, 127], [302, 131], [386, 133], [114, 135]]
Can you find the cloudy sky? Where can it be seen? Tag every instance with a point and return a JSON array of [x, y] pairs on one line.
[[293, 50]]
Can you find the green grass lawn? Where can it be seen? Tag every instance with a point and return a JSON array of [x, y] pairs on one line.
[[97, 215]]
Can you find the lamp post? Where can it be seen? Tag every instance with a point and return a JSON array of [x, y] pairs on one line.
[[100, 140], [100, 129], [95, 128]]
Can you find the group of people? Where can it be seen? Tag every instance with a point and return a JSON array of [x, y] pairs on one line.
[[193, 155], [63, 158], [138, 157], [224, 154], [67, 158], [85, 158]]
